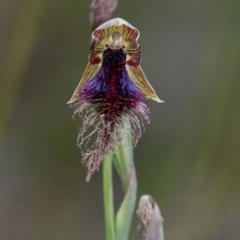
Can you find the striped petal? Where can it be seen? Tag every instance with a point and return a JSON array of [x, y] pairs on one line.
[[137, 75], [90, 72]]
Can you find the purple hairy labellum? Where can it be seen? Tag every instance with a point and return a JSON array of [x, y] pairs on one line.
[[113, 88]]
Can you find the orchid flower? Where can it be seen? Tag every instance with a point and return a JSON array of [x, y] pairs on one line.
[[113, 88]]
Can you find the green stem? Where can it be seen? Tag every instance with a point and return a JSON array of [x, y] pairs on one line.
[[125, 167], [108, 198]]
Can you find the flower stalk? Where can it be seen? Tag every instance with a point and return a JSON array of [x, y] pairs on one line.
[[123, 161], [119, 228], [111, 102], [108, 198]]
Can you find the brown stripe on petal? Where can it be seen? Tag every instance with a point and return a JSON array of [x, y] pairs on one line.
[[90, 72], [138, 76], [128, 32], [134, 54], [96, 54], [131, 34], [99, 34]]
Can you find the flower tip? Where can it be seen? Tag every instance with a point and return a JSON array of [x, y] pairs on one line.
[[73, 99], [69, 102], [115, 22], [158, 100], [88, 178]]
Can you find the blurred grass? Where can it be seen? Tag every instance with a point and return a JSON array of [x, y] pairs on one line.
[[188, 158], [18, 56]]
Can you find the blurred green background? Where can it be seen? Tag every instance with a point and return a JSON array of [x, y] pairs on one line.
[[188, 158]]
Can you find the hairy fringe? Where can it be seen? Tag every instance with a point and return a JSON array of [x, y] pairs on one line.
[[100, 136]]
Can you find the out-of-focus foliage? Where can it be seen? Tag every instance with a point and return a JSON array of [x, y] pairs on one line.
[[189, 157]]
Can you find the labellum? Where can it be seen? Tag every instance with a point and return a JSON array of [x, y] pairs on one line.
[[113, 88]]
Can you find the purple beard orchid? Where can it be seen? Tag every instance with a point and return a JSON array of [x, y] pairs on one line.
[[113, 88]]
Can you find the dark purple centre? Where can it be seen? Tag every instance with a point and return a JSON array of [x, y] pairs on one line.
[[112, 89]]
